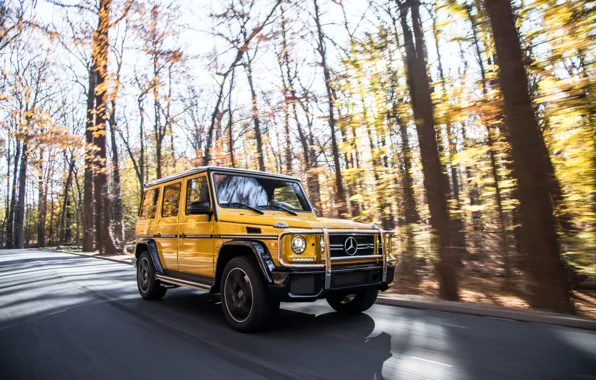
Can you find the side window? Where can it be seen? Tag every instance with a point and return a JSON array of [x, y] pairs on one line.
[[171, 200], [197, 190], [149, 205]]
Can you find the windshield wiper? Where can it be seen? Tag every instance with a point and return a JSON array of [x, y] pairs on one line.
[[280, 208], [242, 205]]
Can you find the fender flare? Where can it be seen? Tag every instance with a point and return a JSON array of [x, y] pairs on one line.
[[150, 246], [260, 253]]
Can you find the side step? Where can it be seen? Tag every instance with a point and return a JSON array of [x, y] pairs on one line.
[[180, 282]]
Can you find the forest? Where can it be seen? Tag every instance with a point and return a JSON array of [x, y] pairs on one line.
[[467, 127]]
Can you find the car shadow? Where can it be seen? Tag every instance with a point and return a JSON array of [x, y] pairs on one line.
[[325, 344]]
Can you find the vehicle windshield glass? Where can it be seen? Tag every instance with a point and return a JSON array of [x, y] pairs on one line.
[[263, 193]]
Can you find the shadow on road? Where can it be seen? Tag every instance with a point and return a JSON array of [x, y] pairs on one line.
[[328, 345]]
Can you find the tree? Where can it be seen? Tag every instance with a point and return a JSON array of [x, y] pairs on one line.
[[248, 62], [117, 211], [241, 49], [548, 288], [435, 179], [88, 206], [340, 195], [103, 231]]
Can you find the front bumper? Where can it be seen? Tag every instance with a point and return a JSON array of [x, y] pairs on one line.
[[293, 285], [303, 282]]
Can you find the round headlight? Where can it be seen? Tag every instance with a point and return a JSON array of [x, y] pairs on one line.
[[298, 244], [322, 244]]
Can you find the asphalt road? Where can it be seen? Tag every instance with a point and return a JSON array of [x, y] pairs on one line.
[[69, 317]]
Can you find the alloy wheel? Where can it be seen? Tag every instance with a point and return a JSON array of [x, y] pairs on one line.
[[238, 295]]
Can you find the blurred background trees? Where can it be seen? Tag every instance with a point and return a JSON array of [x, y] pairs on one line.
[[468, 127]]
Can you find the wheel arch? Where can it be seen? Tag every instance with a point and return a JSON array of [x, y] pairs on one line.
[[236, 248], [151, 247]]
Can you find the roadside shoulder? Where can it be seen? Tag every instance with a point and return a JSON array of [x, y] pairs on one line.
[[419, 302]]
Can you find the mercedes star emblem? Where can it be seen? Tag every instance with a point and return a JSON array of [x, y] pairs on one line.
[[351, 246]]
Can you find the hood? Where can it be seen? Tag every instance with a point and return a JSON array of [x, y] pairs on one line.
[[307, 222]]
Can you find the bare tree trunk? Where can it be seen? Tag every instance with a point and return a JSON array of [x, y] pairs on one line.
[[283, 60], [41, 203], [214, 117], [79, 207], [19, 225], [255, 113], [435, 179], [231, 122], [118, 214], [310, 157], [63, 237], [101, 194], [10, 234], [457, 222], [548, 286], [52, 213], [411, 216], [88, 206], [340, 194], [507, 267], [7, 200]]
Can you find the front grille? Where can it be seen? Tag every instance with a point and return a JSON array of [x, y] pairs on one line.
[[342, 280], [365, 244]]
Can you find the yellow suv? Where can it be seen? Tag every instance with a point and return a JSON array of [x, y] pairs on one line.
[[255, 239]]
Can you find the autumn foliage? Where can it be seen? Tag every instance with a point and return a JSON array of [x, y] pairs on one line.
[[467, 127]]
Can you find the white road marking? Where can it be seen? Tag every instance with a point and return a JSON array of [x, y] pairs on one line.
[[431, 361], [450, 325]]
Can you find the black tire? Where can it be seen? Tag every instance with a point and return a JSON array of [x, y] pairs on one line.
[[149, 287], [353, 303], [245, 301]]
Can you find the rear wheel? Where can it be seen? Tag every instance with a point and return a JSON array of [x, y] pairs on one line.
[[354, 302], [149, 287], [244, 298]]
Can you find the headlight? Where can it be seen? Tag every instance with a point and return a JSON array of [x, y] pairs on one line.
[[298, 244], [322, 244]]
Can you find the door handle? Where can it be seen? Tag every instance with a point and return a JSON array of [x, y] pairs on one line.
[[157, 235], [182, 236]]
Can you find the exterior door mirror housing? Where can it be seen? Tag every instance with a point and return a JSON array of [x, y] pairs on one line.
[[200, 208]]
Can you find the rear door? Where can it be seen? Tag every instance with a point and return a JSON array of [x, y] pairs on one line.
[[166, 232], [195, 250], [147, 214]]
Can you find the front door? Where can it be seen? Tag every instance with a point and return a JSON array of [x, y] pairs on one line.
[[166, 231], [196, 243]]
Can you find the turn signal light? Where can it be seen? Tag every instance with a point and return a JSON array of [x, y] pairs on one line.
[[303, 259]]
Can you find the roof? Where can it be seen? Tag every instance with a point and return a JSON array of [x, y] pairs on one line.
[[201, 169]]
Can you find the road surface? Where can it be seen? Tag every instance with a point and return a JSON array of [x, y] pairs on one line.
[[69, 317]]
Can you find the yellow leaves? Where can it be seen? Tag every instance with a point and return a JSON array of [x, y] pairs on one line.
[[470, 155], [357, 198]]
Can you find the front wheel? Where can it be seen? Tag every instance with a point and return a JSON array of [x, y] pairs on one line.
[[149, 287], [353, 303], [245, 301]]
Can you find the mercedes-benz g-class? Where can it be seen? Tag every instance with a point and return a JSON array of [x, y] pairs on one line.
[[255, 239]]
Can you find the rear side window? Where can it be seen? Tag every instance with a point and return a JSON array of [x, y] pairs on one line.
[[171, 200], [149, 205], [196, 191]]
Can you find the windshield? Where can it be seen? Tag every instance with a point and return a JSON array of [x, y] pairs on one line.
[[262, 193]]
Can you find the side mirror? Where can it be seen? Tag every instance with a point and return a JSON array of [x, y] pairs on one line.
[[200, 208]]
